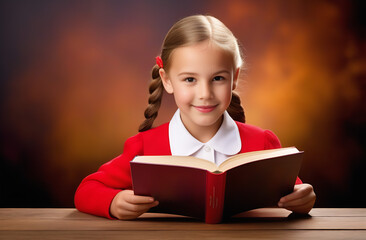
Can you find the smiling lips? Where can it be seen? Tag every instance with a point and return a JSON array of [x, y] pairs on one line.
[[206, 109]]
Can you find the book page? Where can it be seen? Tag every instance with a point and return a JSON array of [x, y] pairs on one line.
[[183, 161], [243, 158]]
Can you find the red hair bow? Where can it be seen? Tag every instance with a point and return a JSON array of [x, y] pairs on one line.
[[159, 61]]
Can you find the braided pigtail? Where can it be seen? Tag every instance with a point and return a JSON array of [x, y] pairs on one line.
[[235, 109], [156, 90]]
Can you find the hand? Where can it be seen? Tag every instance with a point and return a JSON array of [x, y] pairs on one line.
[[301, 200], [125, 205]]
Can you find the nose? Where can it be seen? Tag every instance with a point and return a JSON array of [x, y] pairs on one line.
[[205, 90]]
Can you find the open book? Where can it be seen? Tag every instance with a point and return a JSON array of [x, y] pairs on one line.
[[198, 188]]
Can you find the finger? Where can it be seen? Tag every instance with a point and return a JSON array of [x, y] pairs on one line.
[[124, 214], [300, 191], [129, 211], [136, 199], [302, 209], [139, 207], [298, 202]]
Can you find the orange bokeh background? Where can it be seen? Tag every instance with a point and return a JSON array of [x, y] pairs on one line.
[[74, 80]]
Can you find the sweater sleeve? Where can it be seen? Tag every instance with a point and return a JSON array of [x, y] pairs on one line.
[[271, 142], [96, 192]]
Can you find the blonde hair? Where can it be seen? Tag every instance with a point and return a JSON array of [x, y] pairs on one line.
[[188, 31]]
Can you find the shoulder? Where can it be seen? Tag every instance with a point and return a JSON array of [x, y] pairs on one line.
[[156, 131], [255, 138], [154, 141]]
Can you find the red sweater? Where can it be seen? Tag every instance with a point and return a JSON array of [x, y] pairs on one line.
[[96, 192]]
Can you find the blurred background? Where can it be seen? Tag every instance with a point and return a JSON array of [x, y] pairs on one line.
[[74, 77]]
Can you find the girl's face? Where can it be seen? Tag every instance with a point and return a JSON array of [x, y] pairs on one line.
[[202, 78]]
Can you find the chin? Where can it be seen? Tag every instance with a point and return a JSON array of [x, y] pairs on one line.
[[207, 122]]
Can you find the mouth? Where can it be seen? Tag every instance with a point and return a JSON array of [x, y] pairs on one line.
[[206, 109]]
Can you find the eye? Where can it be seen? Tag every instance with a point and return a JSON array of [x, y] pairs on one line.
[[189, 80], [218, 78]]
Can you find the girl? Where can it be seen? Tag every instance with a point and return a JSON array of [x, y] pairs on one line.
[[200, 63]]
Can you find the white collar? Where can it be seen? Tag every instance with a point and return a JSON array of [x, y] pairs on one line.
[[226, 141]]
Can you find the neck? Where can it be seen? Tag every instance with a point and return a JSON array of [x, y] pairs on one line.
[[204, 133]]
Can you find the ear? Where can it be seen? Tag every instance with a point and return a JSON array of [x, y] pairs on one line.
[[235, 79], [166, 81]]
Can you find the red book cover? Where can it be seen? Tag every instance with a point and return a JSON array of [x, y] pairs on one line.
[[213, 195], [179, 190]]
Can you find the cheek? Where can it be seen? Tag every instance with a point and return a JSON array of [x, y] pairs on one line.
[[225, 93], [183, 97]]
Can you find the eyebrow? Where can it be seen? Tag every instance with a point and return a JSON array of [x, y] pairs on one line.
[[193, 73], [187, 73]]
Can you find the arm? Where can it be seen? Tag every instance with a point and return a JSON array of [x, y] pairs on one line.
[[302, 199], [99, 190]]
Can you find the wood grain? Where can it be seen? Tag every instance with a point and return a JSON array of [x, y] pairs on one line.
[[267, 223]]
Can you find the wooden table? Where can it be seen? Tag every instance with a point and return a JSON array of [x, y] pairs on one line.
[[269, 223]]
